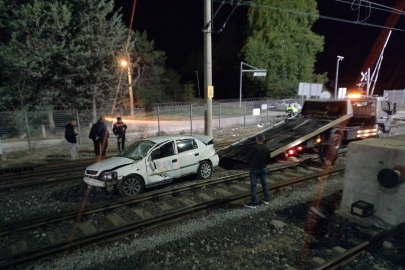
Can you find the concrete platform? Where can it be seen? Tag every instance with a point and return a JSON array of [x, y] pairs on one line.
[[364, 160]]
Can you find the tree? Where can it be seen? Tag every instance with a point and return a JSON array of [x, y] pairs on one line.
[[148, 68], [173, 88], [32, 39], [188, 92], [282, 43], [96, 42]]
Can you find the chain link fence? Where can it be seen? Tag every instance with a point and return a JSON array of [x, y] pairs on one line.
[[27, 130], [396, 96]]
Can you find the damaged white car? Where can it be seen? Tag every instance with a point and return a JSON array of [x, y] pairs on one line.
[[154, 161]]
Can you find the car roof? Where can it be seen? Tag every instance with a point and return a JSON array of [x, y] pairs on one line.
[[161, 139]]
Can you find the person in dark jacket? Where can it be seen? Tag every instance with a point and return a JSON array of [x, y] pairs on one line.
[[119, 130], [70, 136], [258, 157], [102, 134], [93, 136], [327, 153]]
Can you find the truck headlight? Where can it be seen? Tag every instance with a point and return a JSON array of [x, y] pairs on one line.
[[106, 176]]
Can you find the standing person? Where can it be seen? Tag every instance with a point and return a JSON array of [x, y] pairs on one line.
[[119, 130], [289, 110], [102, 134], [70, 136], [258, 156], [294, 110], [93, 136]]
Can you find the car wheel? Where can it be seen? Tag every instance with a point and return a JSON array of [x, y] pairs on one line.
[[204, 171], [131, 185]]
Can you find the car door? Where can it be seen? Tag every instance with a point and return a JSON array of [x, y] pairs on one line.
[[189, 155], [163, 163]]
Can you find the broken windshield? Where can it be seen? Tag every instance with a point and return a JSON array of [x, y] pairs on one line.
[[137, 150]]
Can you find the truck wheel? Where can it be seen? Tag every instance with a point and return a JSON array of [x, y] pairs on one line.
[[131, 185], [336, 140], [380, 132]]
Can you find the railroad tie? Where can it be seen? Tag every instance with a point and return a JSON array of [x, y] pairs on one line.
[[278, 177], [205, 196], [315, 169], [239, 188], [223, 192], [186, 201], [142, 213], [87, 228], [292, 174], [20, 246], [164, 206], [116, 219], [55, 236]]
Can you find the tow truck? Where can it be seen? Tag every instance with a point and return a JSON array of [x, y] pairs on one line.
[[338, 121]]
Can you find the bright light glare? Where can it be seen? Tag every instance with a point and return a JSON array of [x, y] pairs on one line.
[[318, 140], [124, 63], [300, 148], [354, 96], [291, 152]]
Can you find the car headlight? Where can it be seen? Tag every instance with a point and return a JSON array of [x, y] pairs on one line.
[[105, 176]]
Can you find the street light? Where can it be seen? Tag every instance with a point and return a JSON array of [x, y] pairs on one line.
[[126, 63], [339, 58]]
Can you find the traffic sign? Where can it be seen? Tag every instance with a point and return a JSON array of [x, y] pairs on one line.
[[259, 74], [363, 76]]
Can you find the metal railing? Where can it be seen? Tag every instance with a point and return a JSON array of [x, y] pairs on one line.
[[26, 130]]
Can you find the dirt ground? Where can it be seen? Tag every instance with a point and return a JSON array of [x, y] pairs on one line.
[[61, 153]]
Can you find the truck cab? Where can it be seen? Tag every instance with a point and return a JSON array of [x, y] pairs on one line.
[[372, 113]]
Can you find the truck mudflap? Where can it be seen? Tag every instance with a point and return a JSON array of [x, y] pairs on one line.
[[283, 136]]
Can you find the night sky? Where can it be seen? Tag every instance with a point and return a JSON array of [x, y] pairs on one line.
[[175, 26]]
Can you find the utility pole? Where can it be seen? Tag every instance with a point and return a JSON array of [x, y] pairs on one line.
[[125, 63], [339, 58], [208, 88]]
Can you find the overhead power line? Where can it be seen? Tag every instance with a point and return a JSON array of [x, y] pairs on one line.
[[252, 4]]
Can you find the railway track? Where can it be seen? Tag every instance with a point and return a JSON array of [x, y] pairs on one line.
[[53, 173], [350, 255], [114, 219]]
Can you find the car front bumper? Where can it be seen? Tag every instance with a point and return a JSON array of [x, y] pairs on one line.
[[98, 183]]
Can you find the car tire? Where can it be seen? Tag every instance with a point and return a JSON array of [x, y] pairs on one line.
[[131, 185], [204, 170]]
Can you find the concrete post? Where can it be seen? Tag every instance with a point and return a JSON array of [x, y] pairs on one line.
[[191, 119], [158, 113], [219, 119], [78, 128], [244, 117], [207, 66], [43, 131], [28, 131]]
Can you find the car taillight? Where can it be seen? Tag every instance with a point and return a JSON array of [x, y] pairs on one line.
[[291, 152], [300, 148]]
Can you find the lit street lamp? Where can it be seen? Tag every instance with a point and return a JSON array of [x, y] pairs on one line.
[[339, 58], [125, 63]]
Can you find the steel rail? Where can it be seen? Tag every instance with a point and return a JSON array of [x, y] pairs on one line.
[[151, 222], [351, 254], [31, 223], [57, 180]]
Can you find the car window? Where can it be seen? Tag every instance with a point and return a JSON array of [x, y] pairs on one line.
[[165, 150], [186, 145]]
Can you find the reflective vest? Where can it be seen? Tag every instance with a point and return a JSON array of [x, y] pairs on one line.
[[288, 109], [295, 110]]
